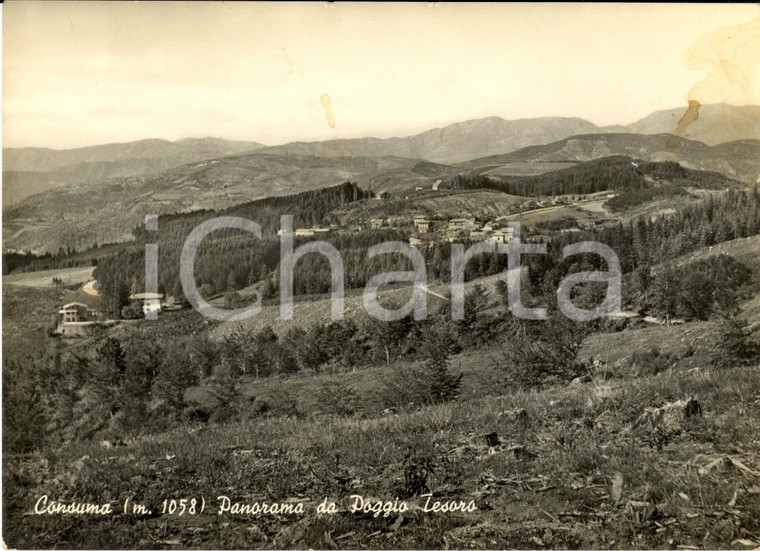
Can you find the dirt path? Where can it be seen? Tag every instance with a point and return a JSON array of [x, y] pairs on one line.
[[90, 289]]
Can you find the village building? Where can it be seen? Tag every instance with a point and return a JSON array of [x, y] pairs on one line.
[[382, 195], [415, 241], [151, 302], [74, 312], [77, 319], [376, 223], [437, 185], [503, 235], [308, 232], [422, 224]]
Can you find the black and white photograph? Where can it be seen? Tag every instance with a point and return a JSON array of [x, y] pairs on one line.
[[382, 275]]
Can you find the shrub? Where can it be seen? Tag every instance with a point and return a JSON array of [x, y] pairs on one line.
[[651, 362], [436, 345], [734, 346], [544, 352], [336, 398], [132, 311]]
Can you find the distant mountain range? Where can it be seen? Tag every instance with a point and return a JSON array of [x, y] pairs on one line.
[[183, 151], [31, 170], [453, 143], [74, 197]]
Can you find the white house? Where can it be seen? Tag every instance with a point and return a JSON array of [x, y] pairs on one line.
[[504, 235], [151, 302], [73, 312], [422, 224]]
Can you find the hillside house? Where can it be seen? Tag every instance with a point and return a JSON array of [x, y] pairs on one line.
[[74, 312], [308, 232], [376, 223], [415, 241], [383, 195], [502, 236], [422, 224], [437, 185], [151, 302]]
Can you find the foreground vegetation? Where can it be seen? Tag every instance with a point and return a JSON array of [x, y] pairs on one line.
[[572, 469]]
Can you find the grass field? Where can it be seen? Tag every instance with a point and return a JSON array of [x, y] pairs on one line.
[[68, 276], [477, 203], [574, 470], [526, 169]]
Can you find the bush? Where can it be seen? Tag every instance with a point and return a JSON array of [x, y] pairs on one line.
[[734, 347], [651, 362], [132, 311], [336, 398], [430, 382], [404, 386], [544, 351]]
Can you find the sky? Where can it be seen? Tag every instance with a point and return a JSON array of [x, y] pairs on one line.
[[77, 74]]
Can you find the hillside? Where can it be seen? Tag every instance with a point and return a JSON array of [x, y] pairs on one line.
[[717, 123], [31, 170], [620, 173], [452, 143], [78, 215], [739, 160]]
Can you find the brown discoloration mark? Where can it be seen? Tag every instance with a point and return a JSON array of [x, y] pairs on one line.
[[730, 59], [327, 104], [691, 114]]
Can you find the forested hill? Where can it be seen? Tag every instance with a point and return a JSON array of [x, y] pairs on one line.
[[308, 209], [227, 259], [618, 173]]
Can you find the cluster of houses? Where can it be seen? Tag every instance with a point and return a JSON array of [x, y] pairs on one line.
[[453, 229]]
